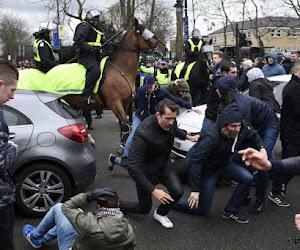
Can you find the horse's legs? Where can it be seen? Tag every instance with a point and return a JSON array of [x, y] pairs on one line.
[[119, 111]]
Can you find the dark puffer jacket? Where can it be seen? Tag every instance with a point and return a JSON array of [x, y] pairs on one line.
[[262, 89], [290, 113], [149, 155], [214, 150]]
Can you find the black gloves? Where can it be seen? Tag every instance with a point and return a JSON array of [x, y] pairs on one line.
[[97, 194]]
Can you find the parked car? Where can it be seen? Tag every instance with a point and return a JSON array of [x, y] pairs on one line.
[[192, 122], [54, 156]]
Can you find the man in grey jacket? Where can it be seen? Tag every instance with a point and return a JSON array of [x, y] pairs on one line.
[[74, 229]]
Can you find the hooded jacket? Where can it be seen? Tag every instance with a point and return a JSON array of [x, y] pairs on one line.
[[262, 89], [97, 233], [8, 153], [290, 113], [273, 69], [174, 89], [254, 111], [214, 149], [147, 102]]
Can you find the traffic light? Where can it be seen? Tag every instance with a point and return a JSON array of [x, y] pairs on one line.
[[242, 40]]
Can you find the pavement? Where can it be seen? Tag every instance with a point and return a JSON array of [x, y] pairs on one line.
[[274, 228]]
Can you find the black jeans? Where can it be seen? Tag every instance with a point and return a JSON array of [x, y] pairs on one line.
[[92, 72], [171, 182], [7, 222], [288, 150]]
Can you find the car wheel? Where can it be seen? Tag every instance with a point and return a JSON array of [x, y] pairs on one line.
[[42, 186]]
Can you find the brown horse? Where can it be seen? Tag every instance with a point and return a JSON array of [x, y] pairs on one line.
[[118, 88]]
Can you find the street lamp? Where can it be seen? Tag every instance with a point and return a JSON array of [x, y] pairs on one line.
[[179, 34]]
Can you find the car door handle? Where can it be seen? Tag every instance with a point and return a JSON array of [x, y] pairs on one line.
[[11, 136]]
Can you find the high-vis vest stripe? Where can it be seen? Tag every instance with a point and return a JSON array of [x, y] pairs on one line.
[[193, 46], [98, 39], [36, 49]]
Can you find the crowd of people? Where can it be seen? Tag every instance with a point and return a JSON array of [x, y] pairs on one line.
[[238, 135]]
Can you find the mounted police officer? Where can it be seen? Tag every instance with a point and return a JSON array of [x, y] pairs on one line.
[[192, 49], [88, 40], [43, 52]]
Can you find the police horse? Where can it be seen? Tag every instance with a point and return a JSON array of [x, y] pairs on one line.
[[198, 77], [118, 88]]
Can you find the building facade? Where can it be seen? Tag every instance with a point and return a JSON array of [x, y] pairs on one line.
[[277, 33]]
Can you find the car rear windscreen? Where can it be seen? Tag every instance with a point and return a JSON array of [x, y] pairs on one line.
[[63, 109]]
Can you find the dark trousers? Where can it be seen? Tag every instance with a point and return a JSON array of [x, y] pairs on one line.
[[7, 222], [171, 182], [92, 73], [288, 150], [87, 116]]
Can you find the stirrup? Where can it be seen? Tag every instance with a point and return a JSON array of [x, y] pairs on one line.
[[89, 100]]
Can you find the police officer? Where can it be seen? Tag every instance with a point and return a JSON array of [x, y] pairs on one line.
[[88, 40], [192, 48], [43, 52], [162, 74]]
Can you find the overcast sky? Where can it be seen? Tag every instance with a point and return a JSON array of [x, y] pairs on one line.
[[34, 14]]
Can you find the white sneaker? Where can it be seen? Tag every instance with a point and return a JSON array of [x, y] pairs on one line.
[[163, 220]]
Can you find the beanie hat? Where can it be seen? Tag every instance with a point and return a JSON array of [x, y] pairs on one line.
[[225, 84], [249, 63], [254, 74], [286, 54]]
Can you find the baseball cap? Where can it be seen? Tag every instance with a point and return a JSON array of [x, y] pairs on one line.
[[149, 81]]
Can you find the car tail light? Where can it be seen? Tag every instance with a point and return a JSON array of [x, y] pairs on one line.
[[76, 132]]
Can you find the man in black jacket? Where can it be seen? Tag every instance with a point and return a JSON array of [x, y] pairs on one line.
[[88, 40], [216, 156], [149, 163], [289, 133]]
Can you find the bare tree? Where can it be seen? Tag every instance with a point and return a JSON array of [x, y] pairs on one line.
[[154, 16], [294, 5], [13, 32]]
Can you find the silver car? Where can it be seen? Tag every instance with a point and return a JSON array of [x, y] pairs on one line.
[[191, 122], [54, 155]]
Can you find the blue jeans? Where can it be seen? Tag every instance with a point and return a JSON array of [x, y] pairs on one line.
[[269, 138], [56, 225], [231, 171], [136, 121], [207, 123]]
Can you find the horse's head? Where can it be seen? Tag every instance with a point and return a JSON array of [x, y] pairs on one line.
[[207, 52], [146, 41]]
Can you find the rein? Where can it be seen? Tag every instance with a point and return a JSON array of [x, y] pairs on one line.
[[122, 74]]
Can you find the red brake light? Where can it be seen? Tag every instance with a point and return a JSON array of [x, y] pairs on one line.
[[76, 132]]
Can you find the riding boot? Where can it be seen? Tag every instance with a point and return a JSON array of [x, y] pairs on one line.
[[182, 72]]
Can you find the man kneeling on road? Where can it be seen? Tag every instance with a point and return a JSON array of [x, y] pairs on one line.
[[216, 156], [74, 229], [149, 163]]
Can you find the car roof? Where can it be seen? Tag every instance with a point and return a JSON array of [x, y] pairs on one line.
[[45, 97], [280, 78]]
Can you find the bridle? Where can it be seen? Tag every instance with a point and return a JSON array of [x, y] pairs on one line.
[[206, 49], [147, 35]]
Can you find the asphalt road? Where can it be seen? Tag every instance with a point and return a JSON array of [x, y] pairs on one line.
[[272, 229]]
